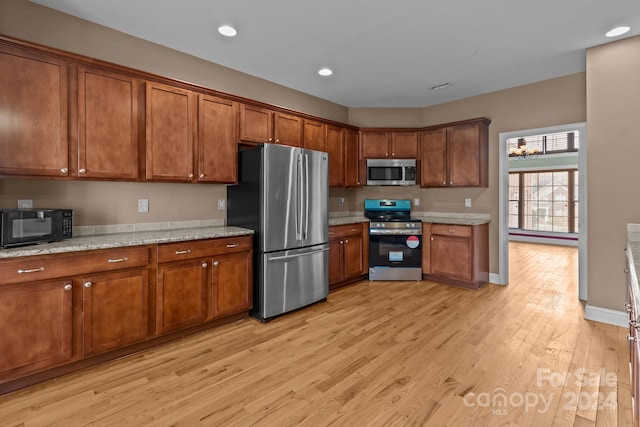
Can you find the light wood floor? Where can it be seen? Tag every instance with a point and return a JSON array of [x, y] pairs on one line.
[[376, 353]]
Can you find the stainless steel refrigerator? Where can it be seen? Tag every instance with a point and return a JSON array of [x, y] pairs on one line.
[[282, 194]]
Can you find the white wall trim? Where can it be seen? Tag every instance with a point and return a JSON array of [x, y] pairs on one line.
[[605, 315], [495, 279]]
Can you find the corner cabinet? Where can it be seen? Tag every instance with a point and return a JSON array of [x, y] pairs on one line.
[[456, 155], [456, 254]]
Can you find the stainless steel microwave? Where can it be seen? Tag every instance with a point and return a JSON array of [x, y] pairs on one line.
[[391, 171], [31, 226]]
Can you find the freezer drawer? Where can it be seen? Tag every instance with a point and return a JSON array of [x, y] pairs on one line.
[[291, 279]]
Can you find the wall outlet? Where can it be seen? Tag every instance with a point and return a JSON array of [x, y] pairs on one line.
[[143, 205], [221, 204], [416, 202], [467, 203], [340, 201], [25, 204]]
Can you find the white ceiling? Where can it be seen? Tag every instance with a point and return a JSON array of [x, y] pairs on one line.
[[384, 53]]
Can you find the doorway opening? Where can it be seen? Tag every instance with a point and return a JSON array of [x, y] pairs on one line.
[[543, 192]]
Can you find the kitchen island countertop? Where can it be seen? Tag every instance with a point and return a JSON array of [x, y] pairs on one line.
[[118, 240]]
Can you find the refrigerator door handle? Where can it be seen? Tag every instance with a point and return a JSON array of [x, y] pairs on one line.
[[306, 190], [298, 197], [277, 258]]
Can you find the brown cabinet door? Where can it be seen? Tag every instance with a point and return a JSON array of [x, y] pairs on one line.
[[351, 159], [335, 148], [256, 124], [115, 309], [36, 330], [232, 283], [34, 98], [335, 261], [288, 130], [452, 257], [315, 135], [404, 145], [107, 125], [170, 122], [352, 256], [375, 144], [182, 292], [434, 158], [463, 145], [217, 140]]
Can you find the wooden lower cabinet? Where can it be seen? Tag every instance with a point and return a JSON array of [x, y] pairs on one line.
[[115, 309], [202, 280], [456, 254], [36, 330], [347, 254], [634, 340]]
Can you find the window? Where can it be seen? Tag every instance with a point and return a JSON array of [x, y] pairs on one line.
[[552, 143], [544, 201]]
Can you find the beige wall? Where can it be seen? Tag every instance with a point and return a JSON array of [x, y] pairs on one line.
[[613, 109], [548, 103]]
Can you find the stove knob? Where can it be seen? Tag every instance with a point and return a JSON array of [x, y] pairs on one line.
[[408, 225], [383, 225]]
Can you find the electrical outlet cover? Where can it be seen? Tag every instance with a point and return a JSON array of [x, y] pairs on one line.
[[25, 204]]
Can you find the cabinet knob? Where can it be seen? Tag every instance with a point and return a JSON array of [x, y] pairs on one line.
[[278, 141], [631, 339], [82, 171], [270, 140], [64, 170], [444, 182], [68, 287], [190, 175], [393, 154], [346, 240], [627, 307], [201, 176], [205, 265], [341, 242], [450, 182], [215, 263], [87, 284]]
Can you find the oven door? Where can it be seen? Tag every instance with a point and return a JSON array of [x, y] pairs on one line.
[[395, 257]]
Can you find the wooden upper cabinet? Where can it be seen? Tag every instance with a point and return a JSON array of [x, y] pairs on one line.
[[374, 144], [456, 155], [256, 124], [434, 158], [217, 140], [107, 125], [288, 130], [315, 135], [404, 145], [170, 122], [34, 99], [335, 148], [351, 159]]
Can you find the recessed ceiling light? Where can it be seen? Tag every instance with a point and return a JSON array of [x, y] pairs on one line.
[[325, 72], [227, 30], [440, 86], [618, 31]]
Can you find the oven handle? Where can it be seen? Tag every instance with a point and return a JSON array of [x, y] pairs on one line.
[[395, 233]]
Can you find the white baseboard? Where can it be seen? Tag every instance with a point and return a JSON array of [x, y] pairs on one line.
[[495, 279], [605, 315]]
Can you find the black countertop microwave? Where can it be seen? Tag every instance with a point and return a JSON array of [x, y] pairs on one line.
[[391, 171], [32, 226]]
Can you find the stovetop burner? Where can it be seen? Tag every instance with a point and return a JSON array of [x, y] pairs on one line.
[[388, 210]]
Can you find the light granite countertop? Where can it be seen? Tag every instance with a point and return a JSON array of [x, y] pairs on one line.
[[633, 255], [351, 219], [118, 240]]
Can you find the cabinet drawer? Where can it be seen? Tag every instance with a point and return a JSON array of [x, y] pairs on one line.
[[338, 231], [451, 230], [171, 252], [34, 268]]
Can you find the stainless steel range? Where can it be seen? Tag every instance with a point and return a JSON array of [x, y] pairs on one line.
[[395, 240]]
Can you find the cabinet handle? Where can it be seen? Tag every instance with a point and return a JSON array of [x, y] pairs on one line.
[[82, 171], [31, 270], [188, 251], [331, 232], [68, 287], [87, 284], [215, 263], [114, 260], [451, 230], [631, 339], [204, 265], [233, 245], [64, 170], [353, 229], [201, 176]]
